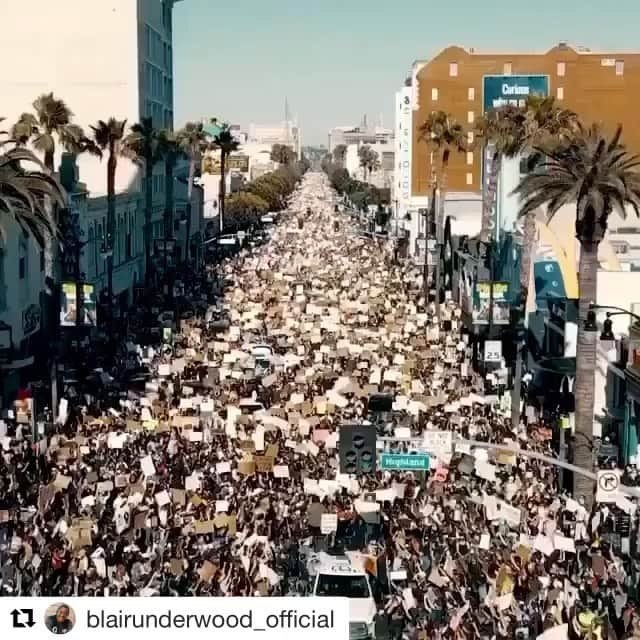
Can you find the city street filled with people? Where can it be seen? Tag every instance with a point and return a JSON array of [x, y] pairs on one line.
[[215, 471]]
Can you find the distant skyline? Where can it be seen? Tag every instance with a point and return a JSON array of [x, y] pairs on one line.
[[336, 61]]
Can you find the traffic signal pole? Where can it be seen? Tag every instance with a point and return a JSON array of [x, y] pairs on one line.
[[630, 491]]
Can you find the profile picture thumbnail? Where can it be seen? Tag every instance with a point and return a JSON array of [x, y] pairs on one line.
[[60, 618]]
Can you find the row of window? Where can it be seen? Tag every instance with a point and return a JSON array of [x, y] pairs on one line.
[[156, 49], [162, 117], [561, 68], [127, 243], [156, 84]]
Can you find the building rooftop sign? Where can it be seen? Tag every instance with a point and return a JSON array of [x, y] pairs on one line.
[[499, 91]]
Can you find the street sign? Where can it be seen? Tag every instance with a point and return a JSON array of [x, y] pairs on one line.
[[608, 484], [404, 461], [493, 351], [438, 442]]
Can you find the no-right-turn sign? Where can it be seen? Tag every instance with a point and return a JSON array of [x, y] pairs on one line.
[[608, 483]]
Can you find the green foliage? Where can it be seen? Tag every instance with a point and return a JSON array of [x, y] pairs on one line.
[[24, 194], [592, 170], [243, 210], [266, 193], [283, 154]]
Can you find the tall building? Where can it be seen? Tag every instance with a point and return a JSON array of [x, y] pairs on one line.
[[104, 58], [599, 86]]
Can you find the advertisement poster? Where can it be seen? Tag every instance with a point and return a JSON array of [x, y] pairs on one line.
[[482, 303], [69, 305], [211, 164], [498, 91]]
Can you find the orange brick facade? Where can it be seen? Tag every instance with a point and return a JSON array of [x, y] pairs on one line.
[[600, 87]]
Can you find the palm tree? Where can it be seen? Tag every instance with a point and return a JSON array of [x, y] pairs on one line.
[[546, 125], [169, 149], [141, 145], [443, 134], [193, 140], [227, 144], [364, 154], [49, 125], [25, 195], [504, 129], [282, 154], [51, 122], [109, 137], [339, 154], [596, 173]]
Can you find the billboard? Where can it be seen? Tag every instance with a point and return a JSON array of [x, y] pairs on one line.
[[238, 163], [211, 164], [69, 305], [498, 91], [482, 303]]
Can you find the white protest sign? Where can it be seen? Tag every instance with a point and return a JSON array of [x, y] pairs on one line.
[[328, 523], [438, 442]]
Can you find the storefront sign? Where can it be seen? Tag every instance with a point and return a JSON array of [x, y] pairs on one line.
[[482, 303]]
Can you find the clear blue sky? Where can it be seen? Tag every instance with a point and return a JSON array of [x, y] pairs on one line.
[[337, 59]]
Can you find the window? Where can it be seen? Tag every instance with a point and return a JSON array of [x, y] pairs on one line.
[[469, 179], [453, 69], [469, 157], [434, 94], [560, 93], [619, 67], [561, 68], [147, 41], [471, 93], [507, 68], [471, 117], [470, 137]]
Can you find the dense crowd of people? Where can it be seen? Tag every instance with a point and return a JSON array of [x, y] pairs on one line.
[[211, 474]]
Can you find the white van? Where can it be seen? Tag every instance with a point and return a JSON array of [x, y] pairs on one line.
[[338, 576]]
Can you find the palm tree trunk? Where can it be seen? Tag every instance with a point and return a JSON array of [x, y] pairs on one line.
[[148, 213], [489, 201], [525, 278], [584, 388], [192, 175], [223, 188], [440, 227], [111, 223]]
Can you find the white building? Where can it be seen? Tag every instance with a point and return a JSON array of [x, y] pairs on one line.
[[109, 58], [286, 133], [361, 134], [383, 177]]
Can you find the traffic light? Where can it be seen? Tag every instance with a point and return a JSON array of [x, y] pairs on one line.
[[357, 448]]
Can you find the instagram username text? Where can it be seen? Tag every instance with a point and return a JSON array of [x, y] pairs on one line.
[[283, 619]]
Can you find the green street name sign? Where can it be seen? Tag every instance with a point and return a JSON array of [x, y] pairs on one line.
[[404, 461]]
